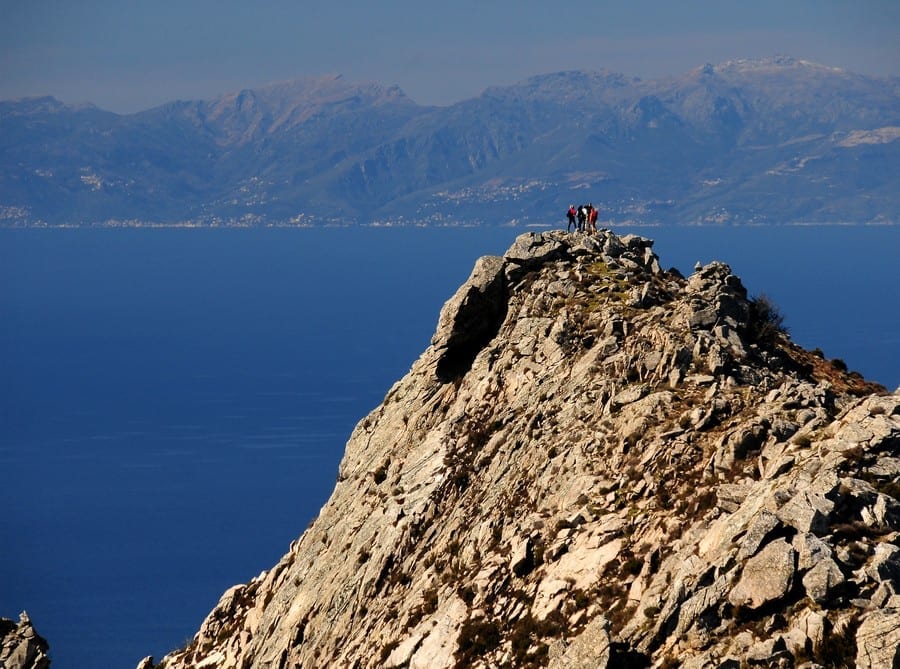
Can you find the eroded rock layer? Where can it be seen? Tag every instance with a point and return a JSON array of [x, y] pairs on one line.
[[596, 463]]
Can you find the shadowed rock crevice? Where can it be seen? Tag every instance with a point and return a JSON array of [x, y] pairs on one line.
[[471, 319]]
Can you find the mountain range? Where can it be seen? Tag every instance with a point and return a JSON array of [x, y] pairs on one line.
[[777, 140]]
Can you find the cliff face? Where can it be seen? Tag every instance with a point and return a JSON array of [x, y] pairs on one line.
[[21, 647], [596, 462]]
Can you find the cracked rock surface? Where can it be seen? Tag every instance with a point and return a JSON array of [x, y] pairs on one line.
[[596, 462]]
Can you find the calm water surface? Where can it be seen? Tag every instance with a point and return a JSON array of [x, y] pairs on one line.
[[174, 403]]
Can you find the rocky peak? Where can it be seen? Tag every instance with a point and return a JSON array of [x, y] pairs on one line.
[[781, 62], [20, 646], [251, 113], [595, 463]]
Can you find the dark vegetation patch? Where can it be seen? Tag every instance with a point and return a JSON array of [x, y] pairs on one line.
[[832, 371], [527, 636], [838, 649], [766, 322], [461, 461], [573, 336], [477, 638], [622, 656]]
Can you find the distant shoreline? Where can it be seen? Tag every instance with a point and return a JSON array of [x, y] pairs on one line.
[[118, 225]]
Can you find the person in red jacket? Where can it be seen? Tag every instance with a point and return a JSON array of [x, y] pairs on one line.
[[592, 218], [571, 216]]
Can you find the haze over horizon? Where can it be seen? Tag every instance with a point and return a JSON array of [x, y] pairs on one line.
[[131, 56]]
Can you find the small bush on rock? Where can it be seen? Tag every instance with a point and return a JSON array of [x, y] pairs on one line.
[[766, 321]]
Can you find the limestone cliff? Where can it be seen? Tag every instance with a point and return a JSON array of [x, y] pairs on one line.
[[595, 463]]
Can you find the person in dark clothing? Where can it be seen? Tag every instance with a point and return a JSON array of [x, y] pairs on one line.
[[582, 217]]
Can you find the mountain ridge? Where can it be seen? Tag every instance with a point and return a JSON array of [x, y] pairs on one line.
[[740, 142], [596, 462]]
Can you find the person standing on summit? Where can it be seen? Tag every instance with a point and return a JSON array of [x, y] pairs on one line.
[[571, 216]]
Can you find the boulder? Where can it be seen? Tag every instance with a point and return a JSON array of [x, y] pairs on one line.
[[764, 652], [521, 560], [806, 635], [759, 528], [730, 496], [808, 512], [878, 640], [532, 250], [766, 577], [589, 649], [704, 318], [810, 550], [821, 581], [884, 565]]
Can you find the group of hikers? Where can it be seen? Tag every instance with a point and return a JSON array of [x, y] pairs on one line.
[[583, 219]]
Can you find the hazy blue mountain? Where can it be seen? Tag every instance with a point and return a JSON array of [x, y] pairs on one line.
[[774, 140]]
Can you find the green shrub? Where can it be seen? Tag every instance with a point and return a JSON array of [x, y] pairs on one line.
[[766, 321]]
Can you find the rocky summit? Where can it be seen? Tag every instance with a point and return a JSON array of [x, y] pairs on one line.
[[21, 647], [596, 463]]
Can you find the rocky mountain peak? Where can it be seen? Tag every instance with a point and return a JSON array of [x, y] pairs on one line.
[[780, 62], [21, 647], [596, 462], [252, 113]]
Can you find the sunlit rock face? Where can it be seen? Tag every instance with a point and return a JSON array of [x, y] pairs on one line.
[[21, 647], [596, 462]]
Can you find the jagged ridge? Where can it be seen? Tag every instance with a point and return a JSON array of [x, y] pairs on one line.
[[596, 462], [21, 647], [767, 141]]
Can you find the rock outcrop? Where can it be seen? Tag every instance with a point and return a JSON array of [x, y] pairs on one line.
[[20, 646], [596, 463]]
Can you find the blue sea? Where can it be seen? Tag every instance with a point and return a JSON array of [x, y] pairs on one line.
[[174, 402]]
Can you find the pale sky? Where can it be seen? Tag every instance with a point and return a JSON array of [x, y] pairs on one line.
[[128, 55]]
